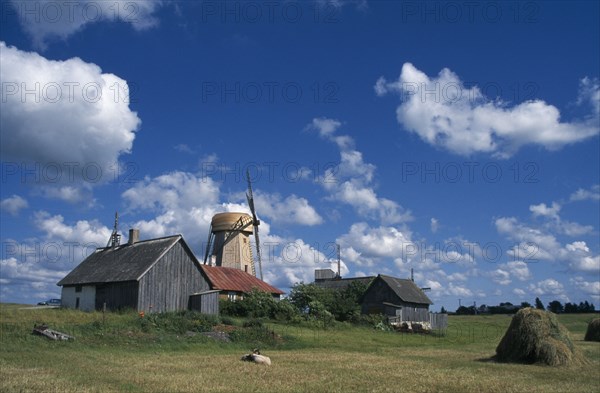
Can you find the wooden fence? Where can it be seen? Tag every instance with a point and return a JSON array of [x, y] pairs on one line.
[[436, 320]]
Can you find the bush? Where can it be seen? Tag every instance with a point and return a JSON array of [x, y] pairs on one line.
[[252, 323], [178, 322], [227, 321], [256, 304]]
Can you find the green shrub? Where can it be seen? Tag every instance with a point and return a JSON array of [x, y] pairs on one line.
[[253, 323], [178, 322]]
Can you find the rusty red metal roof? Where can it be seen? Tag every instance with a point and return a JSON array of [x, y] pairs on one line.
[[230, 279]]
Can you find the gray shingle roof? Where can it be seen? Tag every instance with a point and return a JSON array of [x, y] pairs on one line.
[[406, 289], [343, 283], [124, 263]]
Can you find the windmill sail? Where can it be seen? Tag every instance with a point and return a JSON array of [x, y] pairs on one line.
[[255, 223]]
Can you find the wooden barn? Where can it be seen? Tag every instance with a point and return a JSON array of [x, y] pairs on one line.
[[397, 298], [153, 275]]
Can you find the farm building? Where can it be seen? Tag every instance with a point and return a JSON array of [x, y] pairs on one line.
[[233, 283], [153, 275], [391, 296], [327, 278]]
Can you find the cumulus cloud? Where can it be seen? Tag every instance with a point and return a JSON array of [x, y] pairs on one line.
[[539, 244], [549, 286], [290, 210], [435, 225], [591, 288], [593, 194], [44, 20], [31, 269], [365, 245], [351, 181], [13, 205], [67, 120], [181, 202], [546, 211], [506, 272], [445, 113], [519, 292]]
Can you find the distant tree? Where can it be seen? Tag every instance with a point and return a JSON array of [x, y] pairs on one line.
[[586, 307], [571, 308], [538, 304], [525, 305], [302, 295], [462, 310], [443, 310], [555, 306]]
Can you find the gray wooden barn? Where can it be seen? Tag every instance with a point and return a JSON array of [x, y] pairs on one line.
[[153, 275], [396, 297]]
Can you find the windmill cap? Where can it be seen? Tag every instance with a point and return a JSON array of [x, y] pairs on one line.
[[225, 221]]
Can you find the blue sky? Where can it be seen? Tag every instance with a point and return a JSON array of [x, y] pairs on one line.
[[456, 139]]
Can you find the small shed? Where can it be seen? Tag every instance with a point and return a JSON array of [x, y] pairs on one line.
[[398, 298]]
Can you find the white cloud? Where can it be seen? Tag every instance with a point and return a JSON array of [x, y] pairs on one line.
[[445, 113], [49, 19], [14, 204], [183, 203], [591, 288], [351, 181], [365, 245], [519, 292], [545, 211], [518, 270], [326, 127], [581, 194], [506, 272], [291, 210], [538, 244], [434, 225], [294, 261], [549, 287], [64, 119], [500, 276], [88, 233]]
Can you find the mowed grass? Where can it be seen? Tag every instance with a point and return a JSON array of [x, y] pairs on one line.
[[115, 354]]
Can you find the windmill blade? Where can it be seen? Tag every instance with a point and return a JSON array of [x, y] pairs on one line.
[[255, 222], [256, 238], [208, 243]]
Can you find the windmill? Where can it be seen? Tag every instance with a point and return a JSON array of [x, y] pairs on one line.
[[228, 238]]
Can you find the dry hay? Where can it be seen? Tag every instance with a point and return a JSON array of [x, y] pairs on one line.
[[593, 331], [536, 336]]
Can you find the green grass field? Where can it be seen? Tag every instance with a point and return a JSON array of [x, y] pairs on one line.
[[116, 354]]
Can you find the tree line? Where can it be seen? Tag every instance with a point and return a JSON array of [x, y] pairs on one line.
[[554, 306]]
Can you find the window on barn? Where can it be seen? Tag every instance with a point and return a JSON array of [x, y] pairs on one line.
[[231, 296], [77, 303], [78, 288]]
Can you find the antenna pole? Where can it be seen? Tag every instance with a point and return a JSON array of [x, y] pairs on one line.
[[339, 261], [115, 238]]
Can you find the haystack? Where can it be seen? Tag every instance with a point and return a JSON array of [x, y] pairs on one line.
[[593, 331], [536, 336]]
